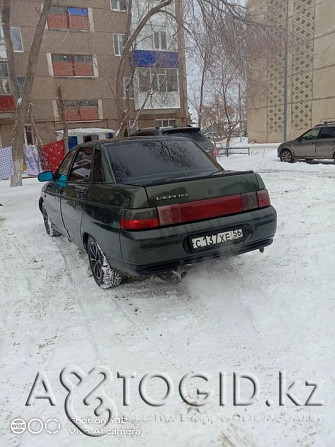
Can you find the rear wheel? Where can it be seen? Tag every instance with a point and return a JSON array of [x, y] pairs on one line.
[[286, 156], [49, 226], [104, 274]]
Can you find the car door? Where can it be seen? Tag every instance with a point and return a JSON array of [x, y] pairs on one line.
[[325, 145], [74, 194], [304, 146], [53, 192], [102, 209]]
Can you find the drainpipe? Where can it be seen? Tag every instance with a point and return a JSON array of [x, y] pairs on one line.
[[286, 55]]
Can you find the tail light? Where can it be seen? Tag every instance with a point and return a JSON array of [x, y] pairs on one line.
[[249, 201], [147, 218], [263, 198], [139, 219]]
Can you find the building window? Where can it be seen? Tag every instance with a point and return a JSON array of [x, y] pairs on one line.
[[16, 36], [29, 136], [160, 41], [118, 40], [144, 79], [20, 83], [172, 80], [128, 91], [61, 17], [119, 5], [81, 110], [16, 39], [158, 79], [165, 123], [72, 64], [4, 79]]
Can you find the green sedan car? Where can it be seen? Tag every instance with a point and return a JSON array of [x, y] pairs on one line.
[[147, 205]]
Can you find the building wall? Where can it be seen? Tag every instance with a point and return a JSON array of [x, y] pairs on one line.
[[98, 42], [311, 69]]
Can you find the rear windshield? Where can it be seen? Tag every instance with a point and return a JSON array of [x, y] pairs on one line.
[[146, 161]]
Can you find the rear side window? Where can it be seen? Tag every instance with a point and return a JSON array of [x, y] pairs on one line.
[[327, 132], [147, 161], [196, 136], [81, 169], [145, 132]]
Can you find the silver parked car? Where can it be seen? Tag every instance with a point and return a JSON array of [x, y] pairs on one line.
[[318, 142]]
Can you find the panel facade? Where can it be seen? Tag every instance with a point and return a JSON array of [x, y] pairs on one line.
[[78, 56], [310, 74]]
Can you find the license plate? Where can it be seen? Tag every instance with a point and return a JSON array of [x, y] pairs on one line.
[[216, 239]]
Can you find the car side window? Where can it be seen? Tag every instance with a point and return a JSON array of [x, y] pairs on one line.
[[66, 163], [310, 135], [98, 173], [327, 132], [81, 169]]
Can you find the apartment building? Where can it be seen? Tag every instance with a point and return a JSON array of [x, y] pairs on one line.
[[309, 26], [80, 53]]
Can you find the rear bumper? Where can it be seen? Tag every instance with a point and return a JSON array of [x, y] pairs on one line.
[[153, 251]]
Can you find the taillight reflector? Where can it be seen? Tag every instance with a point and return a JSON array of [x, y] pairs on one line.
[[139, 219], [263, 198], [199, 210]]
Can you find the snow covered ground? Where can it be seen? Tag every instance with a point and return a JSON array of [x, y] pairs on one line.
[[257, 314]]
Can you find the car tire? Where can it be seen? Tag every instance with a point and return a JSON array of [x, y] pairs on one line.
[[49, 226], [286, 156], [103, 273]]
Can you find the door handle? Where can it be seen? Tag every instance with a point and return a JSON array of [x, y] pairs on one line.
[[81, 194]]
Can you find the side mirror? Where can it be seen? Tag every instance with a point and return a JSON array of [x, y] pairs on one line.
[[62, 181], [45, 176]]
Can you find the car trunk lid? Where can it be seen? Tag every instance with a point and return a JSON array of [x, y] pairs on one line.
[[192, 200], [226, 183]]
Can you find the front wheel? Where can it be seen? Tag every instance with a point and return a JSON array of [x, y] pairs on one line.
[[49, 226], [286, 156], [104, 274]]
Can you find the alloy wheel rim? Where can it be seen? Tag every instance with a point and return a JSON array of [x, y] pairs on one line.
[[96, 260], [286, 156]]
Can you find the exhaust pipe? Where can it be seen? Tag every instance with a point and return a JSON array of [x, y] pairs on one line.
[[181, 271], [262, 250]]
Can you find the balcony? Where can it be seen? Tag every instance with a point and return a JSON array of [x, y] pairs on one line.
[[158, 59], [7, 106], [157, 101]]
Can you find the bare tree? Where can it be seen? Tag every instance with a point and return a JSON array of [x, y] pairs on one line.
[[130, 38], [222, 33], [23, 100], [63, 119], [200, 44]]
